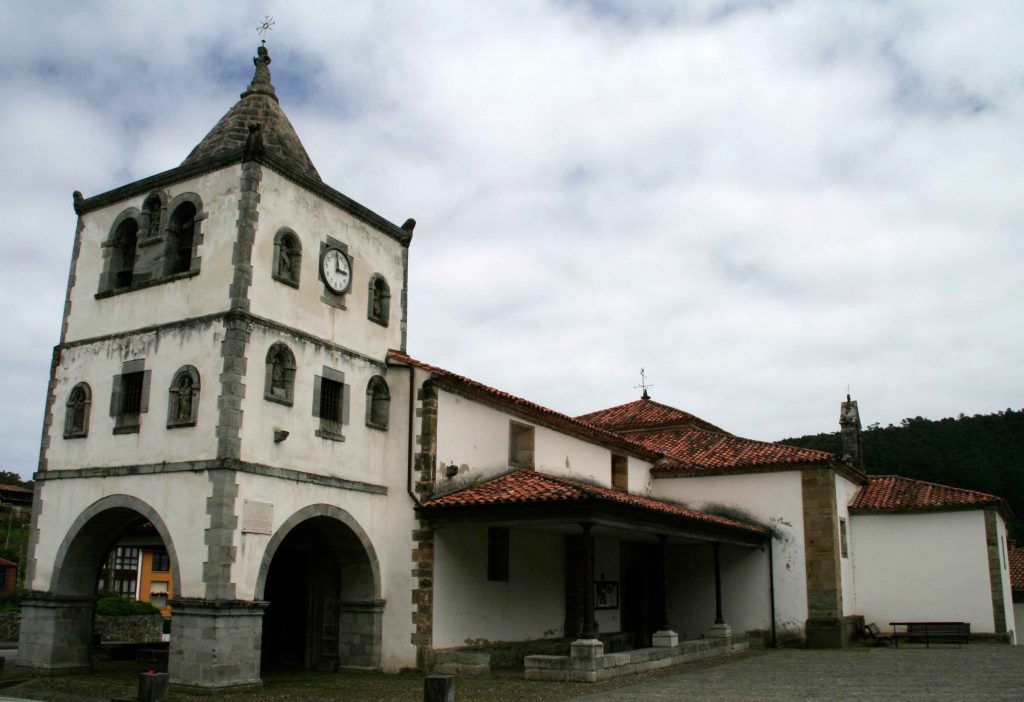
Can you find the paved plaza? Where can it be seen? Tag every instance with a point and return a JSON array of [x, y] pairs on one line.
[[974, 672]]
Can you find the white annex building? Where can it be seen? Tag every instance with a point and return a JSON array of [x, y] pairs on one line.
[[232, 368]]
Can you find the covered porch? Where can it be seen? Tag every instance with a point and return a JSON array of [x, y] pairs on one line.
[[527, 559]]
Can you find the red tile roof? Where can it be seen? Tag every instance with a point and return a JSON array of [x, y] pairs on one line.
[[530, 487], [645, 414], [1016, 567], [15, 488], [888, 493], [473, 390], [699, 452]]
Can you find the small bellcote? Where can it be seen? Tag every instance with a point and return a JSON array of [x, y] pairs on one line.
[[256, 123], [849, 431]]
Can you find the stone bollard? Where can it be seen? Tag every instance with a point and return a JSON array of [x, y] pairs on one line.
[[439, 688], [153, 686]]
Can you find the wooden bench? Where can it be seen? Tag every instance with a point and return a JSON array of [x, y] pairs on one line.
[[929, 632]]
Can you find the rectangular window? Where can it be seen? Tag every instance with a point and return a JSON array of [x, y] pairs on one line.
[[161, 561], [520, 445], [330, 404], [844, 548], [497, 554], [620, 472], [129, 397]]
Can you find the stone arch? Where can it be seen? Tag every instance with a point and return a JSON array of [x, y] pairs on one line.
[[306, 513], [320, 577], [120, 251], [378, 307], [93, 534], [184, 234]]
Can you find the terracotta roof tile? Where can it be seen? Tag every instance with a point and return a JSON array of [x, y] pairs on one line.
[[532, 487], [474, 390], [1016, 567], [699, 452], [885, 493], [645, 414]]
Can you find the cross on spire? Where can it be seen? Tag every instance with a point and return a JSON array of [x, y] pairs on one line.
[[265, 26], [644, 384]]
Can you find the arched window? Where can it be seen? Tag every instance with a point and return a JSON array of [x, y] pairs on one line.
[[287, 257], [378, 403], [183, 398], [180, 239], [121, 262], [280, 379], [76, 417], [379, 305]]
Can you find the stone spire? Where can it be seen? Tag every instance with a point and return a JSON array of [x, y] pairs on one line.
[[257, 118], [849, 430]]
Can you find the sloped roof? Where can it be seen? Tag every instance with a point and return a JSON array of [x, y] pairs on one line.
[[474, 390], [258, 104], [643, 414], [893, 493], [1016, 567], [525, 487], [699, 452]]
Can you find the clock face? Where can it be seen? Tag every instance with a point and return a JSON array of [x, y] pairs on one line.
[[336, 270]]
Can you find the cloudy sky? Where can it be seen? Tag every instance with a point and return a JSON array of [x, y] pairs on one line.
[[761, 203]]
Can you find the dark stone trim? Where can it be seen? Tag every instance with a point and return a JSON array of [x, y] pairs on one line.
[[219, 537], [51, 399], [219, 316], [424, 463], [153, 282], [404, 324], [290, 474], [76, 249], [33, 531], [279, 166], [995, 571]]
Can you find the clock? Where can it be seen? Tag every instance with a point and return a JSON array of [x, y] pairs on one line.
[[336, 270]]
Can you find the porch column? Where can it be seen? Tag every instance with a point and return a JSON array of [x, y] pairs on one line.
[[664, 637], [587, 651], [719, 629]]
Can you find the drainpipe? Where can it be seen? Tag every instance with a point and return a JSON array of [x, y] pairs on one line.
[[412, 418], [771, 588]]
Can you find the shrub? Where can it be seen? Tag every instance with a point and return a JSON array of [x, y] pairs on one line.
[[114, 605]]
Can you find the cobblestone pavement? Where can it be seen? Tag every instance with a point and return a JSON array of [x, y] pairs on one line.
[[975, 672]]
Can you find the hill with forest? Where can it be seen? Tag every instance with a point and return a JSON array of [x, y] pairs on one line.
[[984, 452]]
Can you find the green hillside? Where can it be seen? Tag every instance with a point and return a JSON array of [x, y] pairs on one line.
[[984, 452]]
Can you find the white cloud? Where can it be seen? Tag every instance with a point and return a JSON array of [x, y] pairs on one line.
[[760, 202]]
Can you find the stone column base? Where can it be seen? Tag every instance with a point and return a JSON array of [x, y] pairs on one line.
[[719, 631], [665, 639], [56, 633], [359, 640], [215, 644]]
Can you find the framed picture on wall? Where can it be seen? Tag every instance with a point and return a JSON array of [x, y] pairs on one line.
[[606, 594]]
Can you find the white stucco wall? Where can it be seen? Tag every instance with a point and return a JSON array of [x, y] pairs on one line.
[[167, 302], [746, 599], [470, 608], [64, 500], [475, 437], [313, 219], [846, 490], [923, 567], [164, 354], [367, 454], [773, 498]]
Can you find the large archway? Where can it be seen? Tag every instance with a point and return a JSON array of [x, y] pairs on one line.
[[57, 625], [321, 578]]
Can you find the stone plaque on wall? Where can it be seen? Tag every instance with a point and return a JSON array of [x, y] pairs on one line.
[[257, 517]]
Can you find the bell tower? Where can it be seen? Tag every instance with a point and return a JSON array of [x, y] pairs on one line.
[[222, 375]]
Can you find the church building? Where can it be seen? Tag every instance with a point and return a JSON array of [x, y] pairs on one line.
[[233, 370]]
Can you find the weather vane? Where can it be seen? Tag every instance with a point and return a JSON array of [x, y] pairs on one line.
[[644, 384], [265, 26]]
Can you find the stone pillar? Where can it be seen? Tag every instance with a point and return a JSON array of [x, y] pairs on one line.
[[589, 624], [56, 633], [664, 637], [215, 645], [995, 572], [849, 431], [824, 626], [718, 630], [359, 637]]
